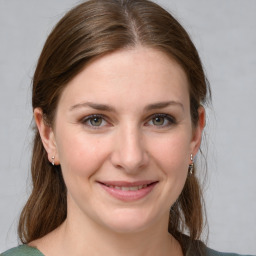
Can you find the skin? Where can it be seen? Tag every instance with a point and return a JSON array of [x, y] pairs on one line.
[[131, 143]]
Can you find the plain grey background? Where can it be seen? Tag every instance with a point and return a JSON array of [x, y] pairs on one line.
[[224, 32]]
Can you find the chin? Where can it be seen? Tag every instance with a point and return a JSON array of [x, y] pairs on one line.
[[129, 221], [127, 228]]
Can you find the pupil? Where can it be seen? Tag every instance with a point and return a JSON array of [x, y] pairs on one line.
[[96, 121], [158, 120]]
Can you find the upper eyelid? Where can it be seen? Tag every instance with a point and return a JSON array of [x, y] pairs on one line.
[[85, 118], [162, 115]]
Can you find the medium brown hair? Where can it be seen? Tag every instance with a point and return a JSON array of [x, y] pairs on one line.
[[90, 30]]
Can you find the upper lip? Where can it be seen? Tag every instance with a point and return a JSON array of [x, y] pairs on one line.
[[127, 183]]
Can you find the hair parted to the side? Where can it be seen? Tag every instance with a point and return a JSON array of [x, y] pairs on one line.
[[90, 30]]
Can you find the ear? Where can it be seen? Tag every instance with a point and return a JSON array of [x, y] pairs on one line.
[[198, 131], [47, 136]]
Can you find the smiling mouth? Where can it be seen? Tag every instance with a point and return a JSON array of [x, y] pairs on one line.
[[128, 191], [133, 188]]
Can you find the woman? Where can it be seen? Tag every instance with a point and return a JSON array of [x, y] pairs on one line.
[[118, 98]]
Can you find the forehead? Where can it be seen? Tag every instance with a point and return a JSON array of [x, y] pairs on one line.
[[141, 74]]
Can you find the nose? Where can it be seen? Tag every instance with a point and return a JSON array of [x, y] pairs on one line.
[[129, 152]]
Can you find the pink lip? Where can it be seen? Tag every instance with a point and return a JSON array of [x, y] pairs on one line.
[[128, 195]]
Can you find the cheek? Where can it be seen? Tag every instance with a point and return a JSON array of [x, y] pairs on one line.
[[172, 151], [80, 154], [172, 157]]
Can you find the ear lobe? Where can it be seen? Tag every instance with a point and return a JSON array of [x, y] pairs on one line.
[[47, 135], [198, 131]]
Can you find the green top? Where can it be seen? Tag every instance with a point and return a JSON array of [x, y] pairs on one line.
[[22, 250], [25, 250]]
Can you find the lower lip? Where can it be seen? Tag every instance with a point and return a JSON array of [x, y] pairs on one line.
[[129, 195]]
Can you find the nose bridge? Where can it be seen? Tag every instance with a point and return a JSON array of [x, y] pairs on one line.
[[130, 153]]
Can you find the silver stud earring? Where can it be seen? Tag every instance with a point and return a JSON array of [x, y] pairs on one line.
[[53, 157], [191, 166]]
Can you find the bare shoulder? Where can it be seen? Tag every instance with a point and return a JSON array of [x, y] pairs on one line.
[[49, 244]]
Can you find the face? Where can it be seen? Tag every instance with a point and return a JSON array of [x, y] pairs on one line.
[[123, 137]]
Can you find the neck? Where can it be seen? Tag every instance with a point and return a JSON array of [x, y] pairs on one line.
[[81, 235], [86, 239]]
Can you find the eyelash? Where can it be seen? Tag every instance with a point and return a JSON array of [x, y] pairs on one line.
[[85, 121], [169, 119]]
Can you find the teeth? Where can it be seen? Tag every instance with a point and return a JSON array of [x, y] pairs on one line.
[[134, 188]]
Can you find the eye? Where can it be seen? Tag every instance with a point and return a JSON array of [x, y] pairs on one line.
[[161, 120], [94, 121]]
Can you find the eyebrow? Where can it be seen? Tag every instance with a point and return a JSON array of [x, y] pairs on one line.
[[93, 105], [103, 107], [164, 104]]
